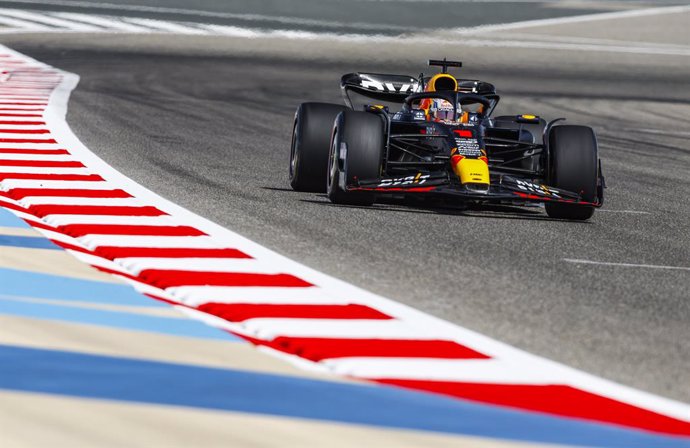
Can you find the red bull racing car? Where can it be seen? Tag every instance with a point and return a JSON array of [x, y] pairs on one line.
[[435, 136]]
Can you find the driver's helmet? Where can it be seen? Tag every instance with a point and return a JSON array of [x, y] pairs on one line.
[[438, 109], [442, 82], [441, 110]]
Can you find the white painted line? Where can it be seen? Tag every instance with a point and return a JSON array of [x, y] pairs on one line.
[[25, 82], [632, 212], [626, 265], [545, 45], [168, 27], [5, 102], [583, 40], [18, 78], [13, 202], [461, 370], [223, 15], [18, 97], [21, 107], [72, 200], [21, 24], [244, 265], [109, 23], [62, 220], [44, 19], [269, 329], [28, 101], [197, 295], [42, 170], [40, 183], [646, 12], [21, 118], [235, 31], [29, 81], [149, 241], [5, 145], [7, 128], [42, 157]]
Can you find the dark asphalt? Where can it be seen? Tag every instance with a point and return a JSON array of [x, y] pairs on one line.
[[212, 133]]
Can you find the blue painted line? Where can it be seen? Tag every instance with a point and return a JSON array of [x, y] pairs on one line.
[[130, 380], [30, 242], [15, 282], [8, 219], [115, 319]]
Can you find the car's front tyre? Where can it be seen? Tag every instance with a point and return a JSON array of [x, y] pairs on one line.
[[357, 145], [574, 166]]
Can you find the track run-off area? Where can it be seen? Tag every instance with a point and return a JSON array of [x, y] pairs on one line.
[[203, 119]]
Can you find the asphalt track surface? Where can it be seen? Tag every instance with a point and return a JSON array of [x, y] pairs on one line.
[[346, 16], [206, 123]]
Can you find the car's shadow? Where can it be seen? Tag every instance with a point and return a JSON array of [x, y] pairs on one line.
[[394, 205], [286, 190], [474, 211]]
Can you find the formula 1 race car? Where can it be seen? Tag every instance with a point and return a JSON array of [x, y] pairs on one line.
[[436, 137]]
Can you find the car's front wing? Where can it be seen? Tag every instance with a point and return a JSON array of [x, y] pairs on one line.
[[505, 189]]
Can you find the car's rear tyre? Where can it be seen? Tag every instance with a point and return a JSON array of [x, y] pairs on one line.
[[356, 151], [311, 138], [574, 167]]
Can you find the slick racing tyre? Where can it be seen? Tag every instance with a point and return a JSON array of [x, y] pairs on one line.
[[356, 153], [311, 138], [574, 167]]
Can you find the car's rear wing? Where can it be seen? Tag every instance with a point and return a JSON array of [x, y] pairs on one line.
[[378, 87], [393, 89], [476, 86]]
